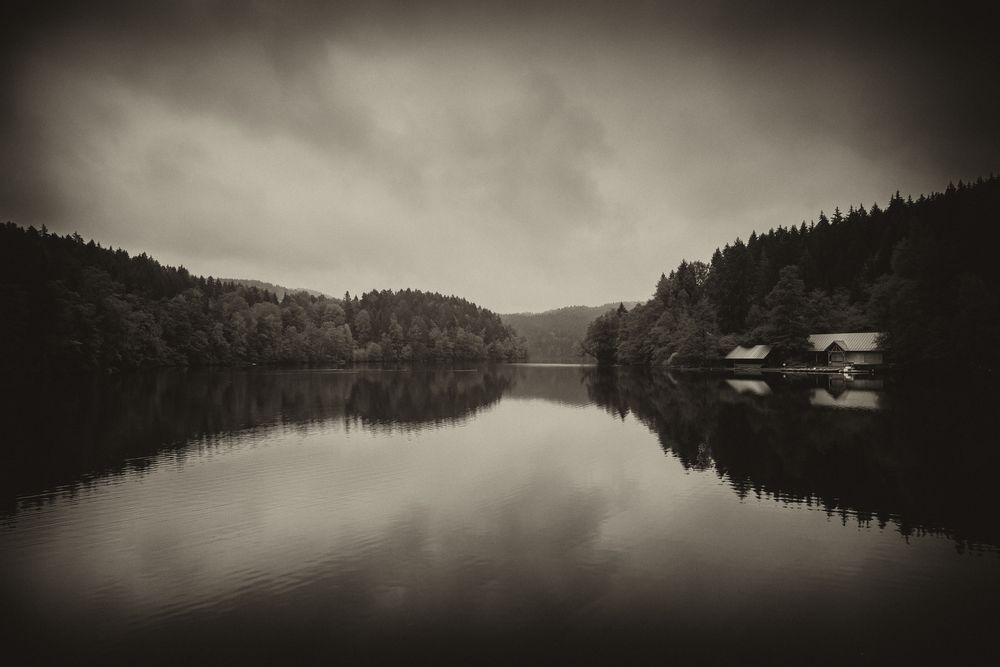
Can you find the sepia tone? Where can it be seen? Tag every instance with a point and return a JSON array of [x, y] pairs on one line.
[[498, 333]]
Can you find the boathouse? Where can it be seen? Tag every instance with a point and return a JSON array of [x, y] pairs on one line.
[[839, 349], [748, 358]]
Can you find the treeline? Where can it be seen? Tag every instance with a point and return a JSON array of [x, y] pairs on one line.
[[919, 271], [73, 305], [279, 290], [410, 325]]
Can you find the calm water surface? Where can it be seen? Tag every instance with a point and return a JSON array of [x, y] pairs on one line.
[[492, 514]]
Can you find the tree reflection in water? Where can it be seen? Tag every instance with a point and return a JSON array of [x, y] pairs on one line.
[[914, 454], [68, 431], [918, 455]]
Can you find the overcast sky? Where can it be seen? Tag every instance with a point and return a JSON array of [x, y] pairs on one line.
[[523, 158]]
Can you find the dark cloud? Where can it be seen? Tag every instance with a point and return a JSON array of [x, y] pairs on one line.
[[441, 145]]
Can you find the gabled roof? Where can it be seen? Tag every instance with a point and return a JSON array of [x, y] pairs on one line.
[[866, 341], [757, 352]]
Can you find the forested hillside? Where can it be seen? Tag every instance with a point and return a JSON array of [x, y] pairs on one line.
[[73, 305], [556, 335], [279, 290], [919, 270]]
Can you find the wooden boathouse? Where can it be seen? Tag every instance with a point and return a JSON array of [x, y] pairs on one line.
[[748, 358], [839, 349]]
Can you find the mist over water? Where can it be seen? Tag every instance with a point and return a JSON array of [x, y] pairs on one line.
[[497, 513]]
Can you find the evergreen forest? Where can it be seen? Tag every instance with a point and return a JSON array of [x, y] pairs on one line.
[[72, 305], [919, 271]]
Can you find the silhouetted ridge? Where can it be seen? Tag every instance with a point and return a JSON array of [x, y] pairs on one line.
[[73, 305]]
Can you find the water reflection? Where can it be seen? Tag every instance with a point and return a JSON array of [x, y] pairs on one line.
[[914, 454], [744, 386], [494, 514], [850, 392], [70, 430]]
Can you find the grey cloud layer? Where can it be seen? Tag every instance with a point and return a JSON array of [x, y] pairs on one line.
[[524, 159]]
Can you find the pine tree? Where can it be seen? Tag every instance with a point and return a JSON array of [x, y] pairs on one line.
[[786, 329]]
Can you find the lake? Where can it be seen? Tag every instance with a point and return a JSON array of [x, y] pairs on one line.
[[511, 513]]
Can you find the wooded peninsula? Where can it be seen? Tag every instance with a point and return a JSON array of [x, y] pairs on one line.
[[919, 272], [73, 305]]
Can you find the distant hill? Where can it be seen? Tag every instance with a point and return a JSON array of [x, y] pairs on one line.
[[278, 290], [555, 335]]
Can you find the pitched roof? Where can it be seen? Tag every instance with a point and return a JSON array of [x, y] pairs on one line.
[[756, 352], [866, 341]]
